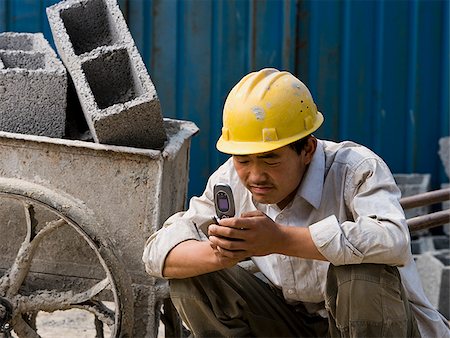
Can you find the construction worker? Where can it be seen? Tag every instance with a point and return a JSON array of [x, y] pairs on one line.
[[320, 220]]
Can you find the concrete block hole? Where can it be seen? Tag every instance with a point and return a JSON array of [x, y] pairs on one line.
[[29, 61], [16, 41], [112, 78], [88, 26]]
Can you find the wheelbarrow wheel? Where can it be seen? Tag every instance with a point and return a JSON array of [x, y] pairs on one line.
[[37, 214]]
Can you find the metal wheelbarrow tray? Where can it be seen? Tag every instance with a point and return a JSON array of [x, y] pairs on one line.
[[74, 218]]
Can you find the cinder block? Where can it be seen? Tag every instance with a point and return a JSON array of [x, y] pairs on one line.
[[444, 153], [419, 245], [434, 271], [413, 184], [424, 244], [33, 86], [440, 242], [116, 93]]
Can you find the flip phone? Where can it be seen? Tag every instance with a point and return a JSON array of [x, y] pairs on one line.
[[223, 201]]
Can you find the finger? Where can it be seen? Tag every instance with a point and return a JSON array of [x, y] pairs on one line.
[[228, 232], [254, 213], [227, 243], [213, 246], [220, 230], [233, 254], [235, 223]]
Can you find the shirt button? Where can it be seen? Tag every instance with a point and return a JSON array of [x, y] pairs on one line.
[[280, 216], [291, 291]]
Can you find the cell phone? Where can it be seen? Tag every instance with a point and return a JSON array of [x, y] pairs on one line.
[[223, 201]]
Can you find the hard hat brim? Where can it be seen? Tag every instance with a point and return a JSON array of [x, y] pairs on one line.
[[247, 148]]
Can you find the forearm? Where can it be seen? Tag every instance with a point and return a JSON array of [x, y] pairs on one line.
[[193, 258], [297, 242]]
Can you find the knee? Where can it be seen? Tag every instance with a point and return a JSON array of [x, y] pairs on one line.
[[216, 282], [198, 287], [186, 295], [365, 293], [358, 280], [178, 284], [365, 273], [184, 287]]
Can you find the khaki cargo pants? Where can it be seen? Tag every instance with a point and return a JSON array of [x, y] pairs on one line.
[[365, 300]]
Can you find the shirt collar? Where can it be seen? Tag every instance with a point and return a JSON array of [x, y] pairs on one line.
[[312, 183]]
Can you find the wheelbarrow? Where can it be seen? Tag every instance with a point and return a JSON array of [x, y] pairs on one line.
[[74, 218]]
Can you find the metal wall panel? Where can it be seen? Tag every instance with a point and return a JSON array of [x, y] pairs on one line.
[[199, 49], [378, 70]]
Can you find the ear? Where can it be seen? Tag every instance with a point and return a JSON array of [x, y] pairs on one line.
[[309, 149]]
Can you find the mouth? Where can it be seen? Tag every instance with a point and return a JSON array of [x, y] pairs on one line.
[[260, 189]]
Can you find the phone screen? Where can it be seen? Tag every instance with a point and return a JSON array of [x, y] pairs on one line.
[[223, 203]]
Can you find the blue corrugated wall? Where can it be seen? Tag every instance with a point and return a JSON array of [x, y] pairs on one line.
[[378, 70]]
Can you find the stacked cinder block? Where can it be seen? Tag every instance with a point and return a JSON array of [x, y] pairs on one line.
[[115, 91], [430, 244], [432, 253], [413, 184], [33, 86], [434, 271]]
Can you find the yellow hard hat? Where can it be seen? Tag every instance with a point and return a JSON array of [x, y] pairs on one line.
[[267, 110]]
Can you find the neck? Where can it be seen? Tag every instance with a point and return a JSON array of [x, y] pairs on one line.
[[288, 199]]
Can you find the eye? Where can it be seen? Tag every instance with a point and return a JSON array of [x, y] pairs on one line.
[[241, 159], [272, 163]]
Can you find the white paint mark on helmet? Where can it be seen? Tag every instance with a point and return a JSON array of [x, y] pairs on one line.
[[259, 113]]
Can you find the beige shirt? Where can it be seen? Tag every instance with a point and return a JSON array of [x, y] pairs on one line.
[[350, 202]]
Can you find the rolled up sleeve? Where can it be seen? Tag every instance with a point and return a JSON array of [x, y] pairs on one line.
[[174, 231], [332, 244], [373, 228]]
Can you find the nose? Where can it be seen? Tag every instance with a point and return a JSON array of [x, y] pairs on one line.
[[257, 174]]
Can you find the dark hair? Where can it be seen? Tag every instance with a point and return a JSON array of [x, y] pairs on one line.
[[299, 144]]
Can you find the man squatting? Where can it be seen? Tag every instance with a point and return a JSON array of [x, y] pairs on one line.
[[321, 221]]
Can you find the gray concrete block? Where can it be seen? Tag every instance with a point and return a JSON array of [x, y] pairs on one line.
[[444, 153], [413, 184], [434, 271], [419, 245], [33, 86], [440, 242], [422, 244], [116, 93]]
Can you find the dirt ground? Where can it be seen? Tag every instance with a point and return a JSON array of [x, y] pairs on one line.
[[70, 324]]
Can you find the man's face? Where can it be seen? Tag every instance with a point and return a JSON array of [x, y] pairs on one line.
[[273, 177]]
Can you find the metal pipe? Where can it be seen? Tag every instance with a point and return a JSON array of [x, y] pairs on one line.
[[426, 198], [429, 220]]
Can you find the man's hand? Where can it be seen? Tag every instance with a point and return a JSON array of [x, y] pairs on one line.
[[255, 234], [252, 234], [235, 239]]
